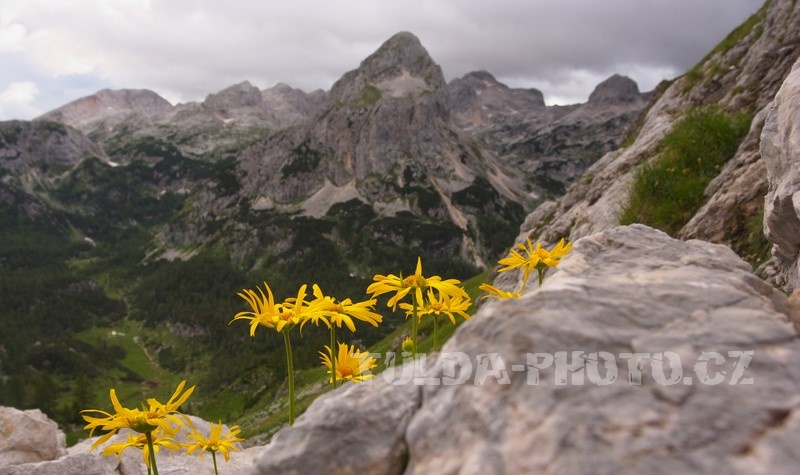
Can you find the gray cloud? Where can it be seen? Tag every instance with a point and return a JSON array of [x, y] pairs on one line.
[[185, 49]]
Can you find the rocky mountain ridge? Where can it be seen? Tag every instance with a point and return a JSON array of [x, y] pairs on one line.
[[390, 134]]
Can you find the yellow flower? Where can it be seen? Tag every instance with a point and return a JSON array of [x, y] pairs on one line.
[[263, 308], [175, 401], [161, 438], [529, 257], [157, 416], [351, 364], [294, 311], [443, 304], [560, 251], [328, 310], [215, 441], [281, 316], [416, 283], [497, 293]]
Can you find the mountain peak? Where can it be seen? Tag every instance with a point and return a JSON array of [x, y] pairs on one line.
[[615, 89], [86, 112], [243, 94], [400, 67], [403, 39]]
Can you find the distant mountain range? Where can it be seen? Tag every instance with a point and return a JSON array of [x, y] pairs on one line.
[[390, 134]]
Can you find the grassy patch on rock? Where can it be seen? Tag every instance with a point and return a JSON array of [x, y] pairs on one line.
[[669, 190]]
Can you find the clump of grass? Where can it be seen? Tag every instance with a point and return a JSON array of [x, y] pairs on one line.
[[668, 191]]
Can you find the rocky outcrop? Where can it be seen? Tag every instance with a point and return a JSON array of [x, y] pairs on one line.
[[376, 414], [743, 73], [639, 354], [32, 444], [780, 150], [28, 436]]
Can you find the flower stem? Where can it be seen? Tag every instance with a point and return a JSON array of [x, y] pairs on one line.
[[333, 354], [414, 330], [214, 458], [435, 331], [290, 371], [149, 437], [541, 275]]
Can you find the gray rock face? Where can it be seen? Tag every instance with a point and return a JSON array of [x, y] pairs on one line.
[[687, 308], [32, 153], [550, 145], [780, 150], [25, 146], [28, 436], [478, 99], [289, 106]]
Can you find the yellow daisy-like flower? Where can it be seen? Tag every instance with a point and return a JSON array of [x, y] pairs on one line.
[[277, 316], [175, 401], [529, 258], [329, 311], [161, 438], [216, 442], [157, 416], [295, 310], [417, 283], [351, 364], [561, 250], [263, 309], [497, 293], [281, 317], [440, 304]]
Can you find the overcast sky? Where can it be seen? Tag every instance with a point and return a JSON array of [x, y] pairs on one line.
[[55, 51]]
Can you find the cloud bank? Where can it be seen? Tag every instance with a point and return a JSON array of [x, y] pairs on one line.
[[54, 51]]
